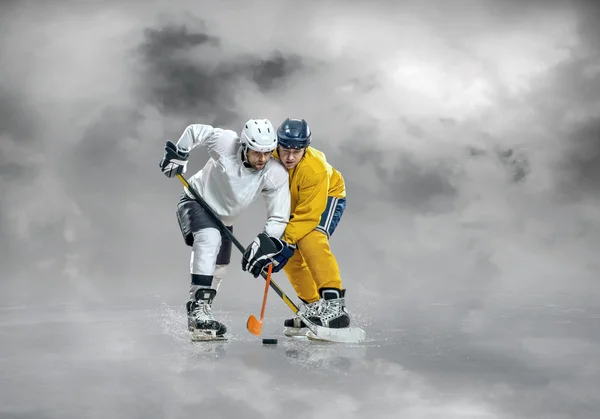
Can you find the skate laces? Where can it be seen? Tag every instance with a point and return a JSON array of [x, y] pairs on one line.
[[203, 311], [329, 308], [310, 308]]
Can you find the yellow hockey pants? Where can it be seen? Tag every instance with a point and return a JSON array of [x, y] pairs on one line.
[[313, 266]]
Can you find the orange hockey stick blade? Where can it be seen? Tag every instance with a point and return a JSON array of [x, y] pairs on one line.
[[254, 325]]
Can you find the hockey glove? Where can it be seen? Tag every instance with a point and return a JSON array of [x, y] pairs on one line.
[[280, 259], [264, 250], [174, 162]]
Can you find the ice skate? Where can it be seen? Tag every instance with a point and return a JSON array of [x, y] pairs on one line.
[[331, 310], [332, 319], [201, 322], [295, 327]]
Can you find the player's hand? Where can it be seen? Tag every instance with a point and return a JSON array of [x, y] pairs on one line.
[[174, 162], [264, 250], [281, 258]]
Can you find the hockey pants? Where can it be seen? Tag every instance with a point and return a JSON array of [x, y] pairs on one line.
[[313, 266]]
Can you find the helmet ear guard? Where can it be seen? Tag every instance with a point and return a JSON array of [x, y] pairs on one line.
[[294, 133]]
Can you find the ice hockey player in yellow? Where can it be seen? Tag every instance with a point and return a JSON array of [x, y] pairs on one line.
[[318, 200]]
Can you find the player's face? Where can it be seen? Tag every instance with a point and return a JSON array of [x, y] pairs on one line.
[[290, 157], [257, 159]]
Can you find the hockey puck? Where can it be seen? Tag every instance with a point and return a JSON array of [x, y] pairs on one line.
[[269, 341]]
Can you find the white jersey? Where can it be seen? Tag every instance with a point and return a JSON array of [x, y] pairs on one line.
[[228, 186]]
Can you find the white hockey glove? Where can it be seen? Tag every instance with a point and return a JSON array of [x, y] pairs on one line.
[[264, 250], [174, 162]]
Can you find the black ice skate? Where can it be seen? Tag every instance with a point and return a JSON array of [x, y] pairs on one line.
[[331, 310], [201, 322], [295, 326]]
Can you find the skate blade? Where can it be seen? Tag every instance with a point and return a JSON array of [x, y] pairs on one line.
[[205, 336], [294, 332], [345, 335]]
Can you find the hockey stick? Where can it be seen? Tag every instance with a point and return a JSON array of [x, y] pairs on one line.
[[322, 333], [254, 325]]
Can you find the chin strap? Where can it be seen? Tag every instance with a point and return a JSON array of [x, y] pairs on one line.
[[245, 157]]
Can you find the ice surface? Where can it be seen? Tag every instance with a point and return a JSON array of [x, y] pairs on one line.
[[69, 361]]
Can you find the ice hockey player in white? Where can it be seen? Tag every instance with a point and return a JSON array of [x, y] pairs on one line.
[[239, 169]]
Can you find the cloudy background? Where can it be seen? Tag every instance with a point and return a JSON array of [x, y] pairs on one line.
[[468, 133]]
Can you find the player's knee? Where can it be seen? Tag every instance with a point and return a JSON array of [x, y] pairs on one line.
[[204, 251], [207, 238]]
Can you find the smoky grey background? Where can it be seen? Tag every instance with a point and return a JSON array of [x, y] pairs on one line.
[[468, 134]]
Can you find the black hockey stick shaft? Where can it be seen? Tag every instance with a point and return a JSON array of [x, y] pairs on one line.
[[235, 241]]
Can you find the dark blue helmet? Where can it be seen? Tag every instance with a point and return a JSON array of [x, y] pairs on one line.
[[293, 133]]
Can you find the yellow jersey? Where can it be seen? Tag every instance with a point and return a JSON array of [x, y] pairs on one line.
[[312, 181]]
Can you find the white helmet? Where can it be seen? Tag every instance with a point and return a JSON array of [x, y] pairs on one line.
[[259, 135]]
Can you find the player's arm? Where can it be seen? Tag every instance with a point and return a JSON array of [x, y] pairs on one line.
[[195, 135], [277, 202], [176, 155], [218, 141], [312, 201]]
